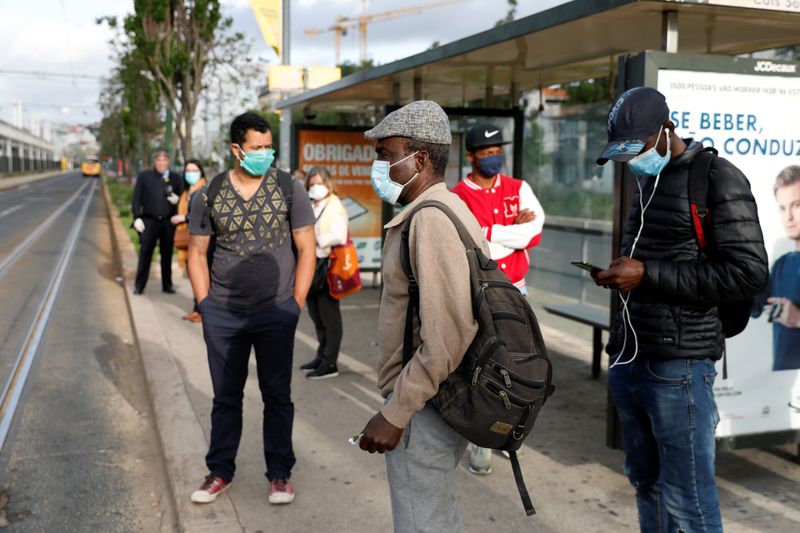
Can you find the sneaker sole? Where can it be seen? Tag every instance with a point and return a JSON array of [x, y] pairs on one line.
[[201, 496], [480, 471], [325, 376], [281, 499]]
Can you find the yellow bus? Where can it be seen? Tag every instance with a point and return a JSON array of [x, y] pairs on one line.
[[90, 166]]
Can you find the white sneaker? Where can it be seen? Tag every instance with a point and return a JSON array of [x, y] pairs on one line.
[[280, 491], [210, 489]]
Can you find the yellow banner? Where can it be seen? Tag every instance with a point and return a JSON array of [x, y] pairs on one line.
[[269, 17]]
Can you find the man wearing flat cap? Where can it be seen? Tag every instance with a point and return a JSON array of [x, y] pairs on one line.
[[412, 146], [674, 286]]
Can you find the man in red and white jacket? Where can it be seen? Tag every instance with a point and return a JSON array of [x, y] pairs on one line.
[[511, 217], [506, 208]]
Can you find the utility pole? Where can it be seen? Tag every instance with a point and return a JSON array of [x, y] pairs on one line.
[[285, 151]]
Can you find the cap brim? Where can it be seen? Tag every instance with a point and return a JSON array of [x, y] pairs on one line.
[[484, 145], [621, 151]]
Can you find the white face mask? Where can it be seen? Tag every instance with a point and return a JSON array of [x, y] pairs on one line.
[[318, 192]]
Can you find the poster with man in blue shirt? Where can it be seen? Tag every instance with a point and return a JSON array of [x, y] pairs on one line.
[[781, 301]]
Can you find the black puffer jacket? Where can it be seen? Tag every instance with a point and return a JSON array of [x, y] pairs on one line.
[[674, 310]]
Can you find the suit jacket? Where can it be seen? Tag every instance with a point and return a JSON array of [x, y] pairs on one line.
[[150, 194]]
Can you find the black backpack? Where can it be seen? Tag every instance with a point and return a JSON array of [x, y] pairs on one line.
[[493, 397], [284, 183], [734, 315]]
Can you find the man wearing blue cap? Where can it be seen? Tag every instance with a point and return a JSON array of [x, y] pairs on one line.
[[668, 334]]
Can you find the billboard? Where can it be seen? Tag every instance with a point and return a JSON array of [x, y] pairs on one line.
[[751, 117], [348, 157]]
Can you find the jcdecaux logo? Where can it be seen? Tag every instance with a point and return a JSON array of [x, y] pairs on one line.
[[769, 66]]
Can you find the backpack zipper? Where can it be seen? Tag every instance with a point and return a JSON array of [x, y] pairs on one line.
[[506, 400], [508, 377]]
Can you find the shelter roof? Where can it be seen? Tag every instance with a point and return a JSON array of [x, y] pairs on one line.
[[574, 41]]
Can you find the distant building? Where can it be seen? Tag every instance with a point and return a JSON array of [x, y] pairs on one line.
[[22, 151]]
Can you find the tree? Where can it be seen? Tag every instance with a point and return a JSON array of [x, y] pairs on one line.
[[131, 110], [512, 13], [181, 43]]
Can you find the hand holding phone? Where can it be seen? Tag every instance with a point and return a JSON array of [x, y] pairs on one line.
[[588, 267]]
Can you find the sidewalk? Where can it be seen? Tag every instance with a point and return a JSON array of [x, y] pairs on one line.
[[575, 481], [15, 181]]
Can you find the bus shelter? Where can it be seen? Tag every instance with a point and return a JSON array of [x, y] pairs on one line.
[[526, 68]]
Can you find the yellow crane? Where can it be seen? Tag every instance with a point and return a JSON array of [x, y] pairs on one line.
[[342, 24]]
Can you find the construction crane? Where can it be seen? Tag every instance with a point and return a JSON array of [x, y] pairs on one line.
[[342, 24]]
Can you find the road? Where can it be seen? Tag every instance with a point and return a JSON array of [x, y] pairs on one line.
[[79, 446]]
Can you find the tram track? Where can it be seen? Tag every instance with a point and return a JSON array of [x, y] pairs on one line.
[[20, 370]]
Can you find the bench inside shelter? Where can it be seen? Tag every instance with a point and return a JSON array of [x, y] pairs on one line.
[[595, 317]]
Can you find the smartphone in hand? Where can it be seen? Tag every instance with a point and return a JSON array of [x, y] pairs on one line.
[[588, 267]]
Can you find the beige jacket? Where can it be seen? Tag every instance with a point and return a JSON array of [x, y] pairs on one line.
[[440, 266]]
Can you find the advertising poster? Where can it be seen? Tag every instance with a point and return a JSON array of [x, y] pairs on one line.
[[348, 157], [752, 119]]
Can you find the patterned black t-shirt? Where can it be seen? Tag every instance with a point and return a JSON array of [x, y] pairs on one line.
[[253, 264]]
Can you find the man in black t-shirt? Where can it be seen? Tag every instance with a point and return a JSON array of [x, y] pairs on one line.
[[251, 298]]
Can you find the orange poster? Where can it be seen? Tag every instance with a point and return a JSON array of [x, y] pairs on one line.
[[348, 157]]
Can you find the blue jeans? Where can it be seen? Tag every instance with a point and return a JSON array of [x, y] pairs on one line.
[[668, 417]]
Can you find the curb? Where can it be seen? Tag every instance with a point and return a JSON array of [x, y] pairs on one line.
[[181, 436]]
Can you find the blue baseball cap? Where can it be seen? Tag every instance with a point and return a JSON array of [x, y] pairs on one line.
[[635, 116]]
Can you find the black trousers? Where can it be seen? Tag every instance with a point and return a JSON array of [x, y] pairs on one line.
[[327, 318], [230, 333], [155, 230]]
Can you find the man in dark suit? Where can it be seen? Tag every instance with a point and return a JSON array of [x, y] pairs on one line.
[[155, 199]]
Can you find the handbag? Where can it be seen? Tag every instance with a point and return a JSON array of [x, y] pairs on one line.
[[181, 239], [320, 279], [344, 277]]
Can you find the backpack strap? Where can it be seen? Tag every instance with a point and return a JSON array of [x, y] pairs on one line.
[[698, 204], [523, 491], [212, 192], [698, 193], [287, 188], [405, 261]]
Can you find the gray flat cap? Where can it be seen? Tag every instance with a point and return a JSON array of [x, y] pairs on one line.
[[422, 120]]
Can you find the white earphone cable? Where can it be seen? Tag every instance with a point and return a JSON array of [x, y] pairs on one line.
[[626, 315]]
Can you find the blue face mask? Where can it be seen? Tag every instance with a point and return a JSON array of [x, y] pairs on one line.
[[191, 176], [257, 162], [490, 165], [386, 189], [650, 163]]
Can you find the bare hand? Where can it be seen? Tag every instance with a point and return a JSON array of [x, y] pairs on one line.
[[301, 302], [379, 435], [524, 216], [624, 274], [790, 314]]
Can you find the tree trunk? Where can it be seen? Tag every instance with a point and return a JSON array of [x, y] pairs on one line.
[[186, 137]]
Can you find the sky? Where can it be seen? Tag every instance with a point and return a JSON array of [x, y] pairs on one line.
[[61, 36]]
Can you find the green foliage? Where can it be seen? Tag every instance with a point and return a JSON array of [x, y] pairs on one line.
[[179, 44], [349, 67], [121, 196], [533, 154], [512, 13], [588, 91]]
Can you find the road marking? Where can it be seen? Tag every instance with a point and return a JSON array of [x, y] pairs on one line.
[[17, 252], [10, 210], [19, 375]]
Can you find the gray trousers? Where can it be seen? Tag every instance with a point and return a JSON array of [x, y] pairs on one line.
[[422, 476]]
